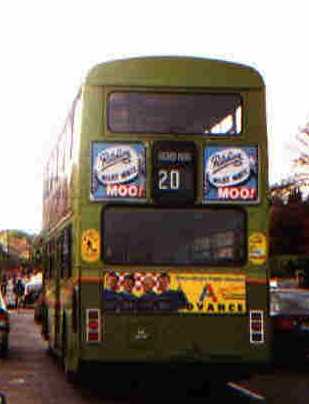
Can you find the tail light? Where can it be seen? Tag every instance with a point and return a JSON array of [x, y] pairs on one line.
[[284, 324], [4, 320], [256, 326], [93, 325]]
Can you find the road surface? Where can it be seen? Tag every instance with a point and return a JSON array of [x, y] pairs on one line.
[[29, 376]]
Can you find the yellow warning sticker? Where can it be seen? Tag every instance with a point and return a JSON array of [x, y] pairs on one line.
[[257, 248], [90, 245]]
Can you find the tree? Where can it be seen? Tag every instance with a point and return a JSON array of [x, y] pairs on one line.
[[287, 230]]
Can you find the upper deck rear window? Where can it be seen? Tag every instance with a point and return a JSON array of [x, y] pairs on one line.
[[201, 114]]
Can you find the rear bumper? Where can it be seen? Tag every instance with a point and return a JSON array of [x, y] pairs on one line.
[[258, 357], [219, 372]]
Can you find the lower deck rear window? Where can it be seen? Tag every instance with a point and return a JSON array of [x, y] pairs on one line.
[[173, 236]]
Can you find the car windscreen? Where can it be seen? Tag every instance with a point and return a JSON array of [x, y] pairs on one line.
[[152, 236], [202, 114]]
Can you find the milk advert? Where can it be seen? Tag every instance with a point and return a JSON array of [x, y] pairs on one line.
[[118, 172], [231, 174]]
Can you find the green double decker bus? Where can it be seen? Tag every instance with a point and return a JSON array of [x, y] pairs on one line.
[[156, 217]]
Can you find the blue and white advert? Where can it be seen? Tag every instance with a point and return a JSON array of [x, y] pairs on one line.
[[118, 172], [231, 174]]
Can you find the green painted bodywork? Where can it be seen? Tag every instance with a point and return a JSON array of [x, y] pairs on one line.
[[174, 72], [202, 338]]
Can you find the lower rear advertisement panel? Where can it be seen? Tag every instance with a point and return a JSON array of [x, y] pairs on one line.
[[174, 292]]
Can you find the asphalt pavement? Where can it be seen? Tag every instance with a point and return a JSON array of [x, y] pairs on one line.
[[28, 375]]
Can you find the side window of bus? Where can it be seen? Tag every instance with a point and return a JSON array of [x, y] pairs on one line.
[[69, 251], [51, 259], [48, 260], [60, 255], [45, 262], [66, 247], [75, 121]]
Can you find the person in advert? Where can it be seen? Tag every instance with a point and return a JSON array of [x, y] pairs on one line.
[[110, 293], [148, 301], [169, 299], [128, 299]]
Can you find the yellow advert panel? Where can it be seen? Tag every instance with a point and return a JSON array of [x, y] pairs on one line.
[[159, 292], [212, 293]]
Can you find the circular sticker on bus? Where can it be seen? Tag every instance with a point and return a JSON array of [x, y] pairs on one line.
[[90, 245], [116, 165], [257, 248], [228, 167]]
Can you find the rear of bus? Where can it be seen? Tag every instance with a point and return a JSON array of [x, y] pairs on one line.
[[174, 216]]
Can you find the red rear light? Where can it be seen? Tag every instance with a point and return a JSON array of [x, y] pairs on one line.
[[93, 325], [93, 314], [256, 315], [256, 326], [93, 337], [4, 320], [284, 324]]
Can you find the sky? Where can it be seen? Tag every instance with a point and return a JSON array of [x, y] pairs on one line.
[[47, 47]]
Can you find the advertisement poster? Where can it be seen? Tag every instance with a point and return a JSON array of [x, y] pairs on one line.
[[171, 292], [118, 171], [231, 174]]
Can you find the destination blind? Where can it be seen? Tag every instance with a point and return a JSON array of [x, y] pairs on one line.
[[174, 172]]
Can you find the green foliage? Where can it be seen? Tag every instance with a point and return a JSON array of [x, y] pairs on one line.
[[287, 265]]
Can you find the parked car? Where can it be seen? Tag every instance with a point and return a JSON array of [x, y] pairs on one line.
[[290, 319], [4, 327], [32, 292], [2, 398]]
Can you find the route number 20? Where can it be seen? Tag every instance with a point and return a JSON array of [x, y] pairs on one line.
[[169, 179]]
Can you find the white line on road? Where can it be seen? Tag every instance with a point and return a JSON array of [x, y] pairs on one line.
[[246, 391]]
